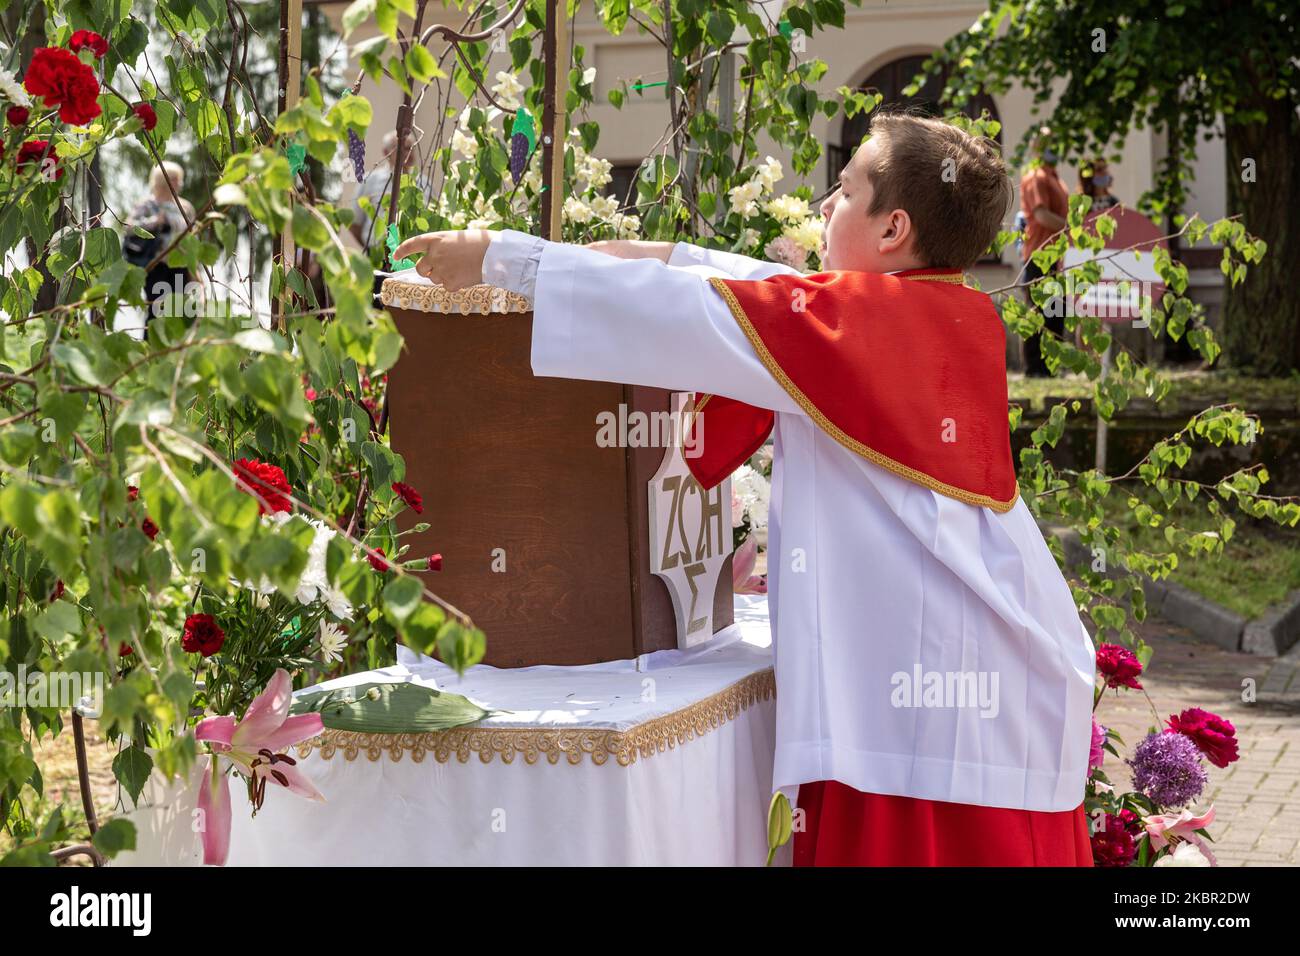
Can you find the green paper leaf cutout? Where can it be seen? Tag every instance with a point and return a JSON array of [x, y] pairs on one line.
[[524, 124], [297, 154], [785, 28], [390, 708], [392, 240]]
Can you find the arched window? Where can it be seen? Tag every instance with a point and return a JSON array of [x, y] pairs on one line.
[[889, 81]]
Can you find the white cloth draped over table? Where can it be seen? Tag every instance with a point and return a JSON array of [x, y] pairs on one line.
[[701, 801], [870, 576], [673, 767]]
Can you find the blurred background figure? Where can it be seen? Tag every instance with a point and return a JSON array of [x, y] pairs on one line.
[[1097, 185], [1045, 204], [165, 220]]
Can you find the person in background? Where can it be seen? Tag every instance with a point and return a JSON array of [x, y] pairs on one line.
[[1097, 186], [377, 187], [165, 215], [1045, 203]]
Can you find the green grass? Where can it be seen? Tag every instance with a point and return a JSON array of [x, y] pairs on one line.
[[1258, 567], [1205, 388]]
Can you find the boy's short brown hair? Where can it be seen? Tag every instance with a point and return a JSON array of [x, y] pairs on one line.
[[953, 185]]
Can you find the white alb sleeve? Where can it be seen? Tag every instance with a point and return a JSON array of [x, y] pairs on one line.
[[736, 266], [635, 321]]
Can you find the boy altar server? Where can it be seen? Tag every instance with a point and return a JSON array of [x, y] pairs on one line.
[[934, 681]]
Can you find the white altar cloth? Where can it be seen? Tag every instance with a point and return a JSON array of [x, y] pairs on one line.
[[661, 760]]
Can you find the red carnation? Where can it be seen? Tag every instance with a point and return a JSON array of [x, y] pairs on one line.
[[148, 118], [435, 563], [379, 564], [202, 635], [149, 528], [17, 115], [264, 482], [1113, 844], [132, 492], [1213, 736], [410, 496], [58, 590], [88, 40], [65, 82], [125, 650], [1119, 666], [39, 151]]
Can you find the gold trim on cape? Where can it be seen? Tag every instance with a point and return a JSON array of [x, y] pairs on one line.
[[574, 744], [829, 427]]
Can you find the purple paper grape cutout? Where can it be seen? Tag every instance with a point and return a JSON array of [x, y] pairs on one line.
[[522, 139], [518, 156], [357, 152]]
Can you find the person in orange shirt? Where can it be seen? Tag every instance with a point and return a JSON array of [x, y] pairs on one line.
[[1044, 203]]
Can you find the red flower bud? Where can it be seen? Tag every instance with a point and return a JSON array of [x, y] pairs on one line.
[[88, 40], [148, 118]]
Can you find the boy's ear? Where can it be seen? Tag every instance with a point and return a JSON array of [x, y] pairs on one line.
[[897, 232]]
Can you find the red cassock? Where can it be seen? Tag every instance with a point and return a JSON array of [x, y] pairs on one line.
[[888, 366]]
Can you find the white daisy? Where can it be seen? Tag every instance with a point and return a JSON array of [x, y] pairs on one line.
[[332, 642]]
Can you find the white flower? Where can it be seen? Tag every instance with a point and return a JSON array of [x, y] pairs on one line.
[[755, 492], [314, 584], [481, 223], [467, 146], [593, 171], [507, 89], [1185, 854], [769, 172], [749, 237], [533, 177], [744, 198], [458, 219], [575, 210], [12, 90], [588, 75], [604, 206], [332, 642], [339, 605], [792, 209], [807, 234], [628, 227]]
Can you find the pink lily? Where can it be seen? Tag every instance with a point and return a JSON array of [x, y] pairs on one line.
[[251, 746], [1180, 826], [743, 578]]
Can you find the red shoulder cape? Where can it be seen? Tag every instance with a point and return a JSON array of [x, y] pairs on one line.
[[907, 370]]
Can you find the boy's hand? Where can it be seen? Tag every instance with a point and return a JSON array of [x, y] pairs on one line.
[[453, 258]]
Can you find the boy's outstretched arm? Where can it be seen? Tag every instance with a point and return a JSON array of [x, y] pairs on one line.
[[686, 255], [604, 318]]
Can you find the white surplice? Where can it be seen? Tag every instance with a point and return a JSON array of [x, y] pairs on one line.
[[923, 647]]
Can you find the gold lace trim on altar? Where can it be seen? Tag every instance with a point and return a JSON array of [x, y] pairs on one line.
[[554, 743], [480, 299]]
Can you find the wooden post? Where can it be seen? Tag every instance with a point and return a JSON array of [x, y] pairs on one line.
[[290, 77], [555, 89]]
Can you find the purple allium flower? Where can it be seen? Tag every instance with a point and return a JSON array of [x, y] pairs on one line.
[[1168, 769]]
